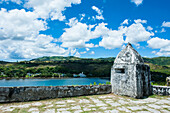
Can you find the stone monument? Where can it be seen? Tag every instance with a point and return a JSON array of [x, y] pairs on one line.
[[129, 75]]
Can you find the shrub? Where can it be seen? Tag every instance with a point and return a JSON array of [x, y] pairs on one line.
[[95, 83], [108, 83]]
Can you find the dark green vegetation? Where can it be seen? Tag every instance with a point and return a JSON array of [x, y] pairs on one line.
[[54, 66]]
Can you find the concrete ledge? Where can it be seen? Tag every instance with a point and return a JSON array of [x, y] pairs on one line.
[[20, 94], [160, 90]]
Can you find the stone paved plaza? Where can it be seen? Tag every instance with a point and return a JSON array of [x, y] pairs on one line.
[[108, 103]]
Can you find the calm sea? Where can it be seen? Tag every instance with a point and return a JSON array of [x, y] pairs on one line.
[[51, 82]]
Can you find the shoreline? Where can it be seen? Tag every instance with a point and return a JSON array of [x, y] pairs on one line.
[[9, 78]]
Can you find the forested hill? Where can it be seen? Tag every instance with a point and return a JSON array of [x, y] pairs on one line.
[[156, 60], [99, 67], [72, 59]]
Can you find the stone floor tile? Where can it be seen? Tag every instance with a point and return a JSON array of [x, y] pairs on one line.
[[91, 106], [61, 105], [50, 111], [108, 100], [33, 110], [60, 102], [76, 107], [123, 109], [150, 100], [70, 101], [103, 108], [168, 98], [49, 106], [154, 106], [78, 111], [87, 109], [21, 106], [114, 104], [62, 109], [165, 106], [37, 104], [134, 108], [111, 111], [165, 111], [46, 103], [84, 101], [122, 102], [101, 104], [138, 102], [153, 110], [163, 102], [94, 109], [143, 112], [103, 97], [6, 109], [65, 112]]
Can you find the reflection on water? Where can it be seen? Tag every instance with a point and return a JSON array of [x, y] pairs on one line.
[[51, 82]]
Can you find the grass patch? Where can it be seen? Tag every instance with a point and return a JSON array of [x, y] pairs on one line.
[[159, 83]]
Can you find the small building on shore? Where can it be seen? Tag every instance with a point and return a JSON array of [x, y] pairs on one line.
[[81, 75], [129, 75]]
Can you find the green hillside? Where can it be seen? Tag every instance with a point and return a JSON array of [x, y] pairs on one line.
[[163, 61], [158, 60], [100, 67], [56, 58]]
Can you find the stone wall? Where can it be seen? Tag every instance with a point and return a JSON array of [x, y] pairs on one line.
[[160, 90], [18, 94]]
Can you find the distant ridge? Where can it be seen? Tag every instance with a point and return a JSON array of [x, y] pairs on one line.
[[155, 60], [4, 62]]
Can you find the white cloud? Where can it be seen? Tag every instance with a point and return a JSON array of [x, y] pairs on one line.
[[79, 34], [153, 52], [137, 33], [166, 24], [82, 17], [163, 30], [100, 30], [77, 54], [140, 21], [149, 28], [125, 22], [162, 44], [37, 47], [99, 12], [156, 43], [89, 45], [137, 2], [75, 36], [72, 51], [163, 53], [15, 1], [19, 24], [113, 40], [87, 49], [83, 52], [50, 8], [92, 52], [72, 21]]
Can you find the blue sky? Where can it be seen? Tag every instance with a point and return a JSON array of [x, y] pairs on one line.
[[83, 28]]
